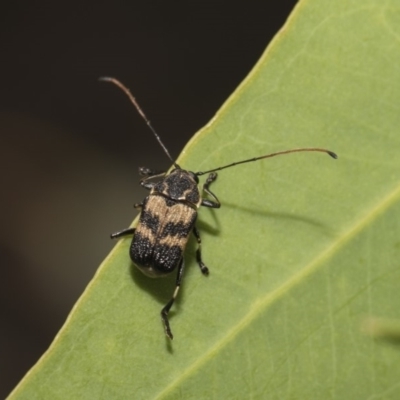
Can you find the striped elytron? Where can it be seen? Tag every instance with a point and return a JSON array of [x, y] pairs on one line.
[[168, 215]]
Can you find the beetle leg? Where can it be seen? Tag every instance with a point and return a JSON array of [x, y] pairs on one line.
[[202, 266], [124, 232], [206, 188], [147, 185], [165, 310], [138, 205], [147, 174]]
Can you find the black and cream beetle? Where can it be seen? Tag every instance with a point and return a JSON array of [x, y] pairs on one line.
[[168, 214]]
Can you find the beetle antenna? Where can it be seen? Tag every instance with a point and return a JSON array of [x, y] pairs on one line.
[[279, 153], [140, 111]]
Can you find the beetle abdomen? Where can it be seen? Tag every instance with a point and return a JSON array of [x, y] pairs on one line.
[[161, 235]]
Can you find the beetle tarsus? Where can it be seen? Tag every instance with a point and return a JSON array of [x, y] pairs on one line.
[[164, 318]]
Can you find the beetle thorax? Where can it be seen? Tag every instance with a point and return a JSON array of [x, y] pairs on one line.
[[179, 185]]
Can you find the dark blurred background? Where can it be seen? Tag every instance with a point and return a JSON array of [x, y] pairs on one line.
[[70, 146]]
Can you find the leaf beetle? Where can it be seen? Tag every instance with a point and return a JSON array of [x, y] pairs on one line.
[[168, 214]]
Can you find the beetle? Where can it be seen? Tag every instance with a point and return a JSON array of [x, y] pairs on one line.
[[168, 214]]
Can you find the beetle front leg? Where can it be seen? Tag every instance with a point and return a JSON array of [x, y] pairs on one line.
[[206, 188], [202, 266], [124, 232], [147, 174], [165, 310]]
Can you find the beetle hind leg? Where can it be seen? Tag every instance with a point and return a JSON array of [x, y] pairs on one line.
[[203, 267], [165, 310]]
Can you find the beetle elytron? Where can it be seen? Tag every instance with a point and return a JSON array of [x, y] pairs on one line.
[[168, 214]]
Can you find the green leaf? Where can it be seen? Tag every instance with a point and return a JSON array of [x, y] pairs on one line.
[[303, 249]]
